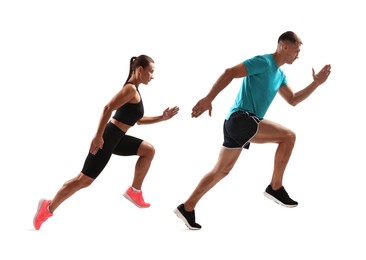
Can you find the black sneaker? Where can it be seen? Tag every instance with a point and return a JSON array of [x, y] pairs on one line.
[[188, 217], [280, 196]]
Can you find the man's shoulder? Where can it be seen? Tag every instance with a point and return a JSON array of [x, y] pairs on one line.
[[258, 63], [260, 58]]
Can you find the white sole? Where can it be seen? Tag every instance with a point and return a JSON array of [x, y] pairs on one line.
[[269, 196], [38, 208], [131, 200], [179, 215]]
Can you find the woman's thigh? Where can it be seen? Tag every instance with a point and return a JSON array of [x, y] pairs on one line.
[[128, 145]]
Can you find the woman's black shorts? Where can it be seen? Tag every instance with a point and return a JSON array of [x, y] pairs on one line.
[[115, 142]]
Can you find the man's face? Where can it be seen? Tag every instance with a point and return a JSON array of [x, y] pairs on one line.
[[293, 51]]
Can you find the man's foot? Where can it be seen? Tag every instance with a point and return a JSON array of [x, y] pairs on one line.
[[280, 196], [42, 213], [136, 198], [188, 217]]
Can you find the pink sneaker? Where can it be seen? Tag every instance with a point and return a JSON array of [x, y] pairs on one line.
[[136, 198], [42, 213]]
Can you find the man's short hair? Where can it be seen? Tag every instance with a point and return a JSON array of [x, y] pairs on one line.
[[290, 37]]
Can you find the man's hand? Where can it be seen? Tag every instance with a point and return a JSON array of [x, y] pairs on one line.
[[322, 75], [201, 106]]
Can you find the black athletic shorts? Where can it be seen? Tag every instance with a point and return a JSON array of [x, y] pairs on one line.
[[239, 129], [115, 142]]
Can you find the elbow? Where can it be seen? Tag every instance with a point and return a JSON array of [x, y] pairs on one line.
[[107, 110], [229, 74], [293, 103]]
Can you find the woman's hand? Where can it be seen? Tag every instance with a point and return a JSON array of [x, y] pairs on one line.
[[170, 112], [96, 144]]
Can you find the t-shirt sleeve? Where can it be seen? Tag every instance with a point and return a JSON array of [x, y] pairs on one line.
[[284, 80], [256, 65]]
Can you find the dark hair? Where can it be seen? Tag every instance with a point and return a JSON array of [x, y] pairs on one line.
[[135, 62], [290, 37]]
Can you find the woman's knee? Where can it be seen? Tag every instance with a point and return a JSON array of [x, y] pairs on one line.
[[84, 181], [146, 149]]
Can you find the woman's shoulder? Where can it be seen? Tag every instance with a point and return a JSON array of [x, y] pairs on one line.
[[129, 87]]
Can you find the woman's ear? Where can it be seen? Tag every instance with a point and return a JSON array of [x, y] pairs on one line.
[[139, 69]]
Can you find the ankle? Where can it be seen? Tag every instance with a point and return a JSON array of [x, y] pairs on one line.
[[276, 186], [49, 208], [134, 189], [187, 207]]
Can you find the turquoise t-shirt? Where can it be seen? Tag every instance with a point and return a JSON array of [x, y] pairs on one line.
[[260, 86]]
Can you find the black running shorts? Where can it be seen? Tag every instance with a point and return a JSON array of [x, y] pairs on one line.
[[239, 129], [115, 142]]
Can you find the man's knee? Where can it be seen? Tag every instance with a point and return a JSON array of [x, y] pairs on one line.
[[290, 137]]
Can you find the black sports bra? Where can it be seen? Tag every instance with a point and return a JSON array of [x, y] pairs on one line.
[[130, 113]]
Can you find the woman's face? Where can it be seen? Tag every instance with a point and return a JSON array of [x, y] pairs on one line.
[[147, 73]]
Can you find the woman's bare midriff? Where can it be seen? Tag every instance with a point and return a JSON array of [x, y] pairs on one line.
[[120, 125]]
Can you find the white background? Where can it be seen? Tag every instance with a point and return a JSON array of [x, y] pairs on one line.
[[61, 62]]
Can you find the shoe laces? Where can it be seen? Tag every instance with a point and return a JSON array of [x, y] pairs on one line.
[[140, 197]]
